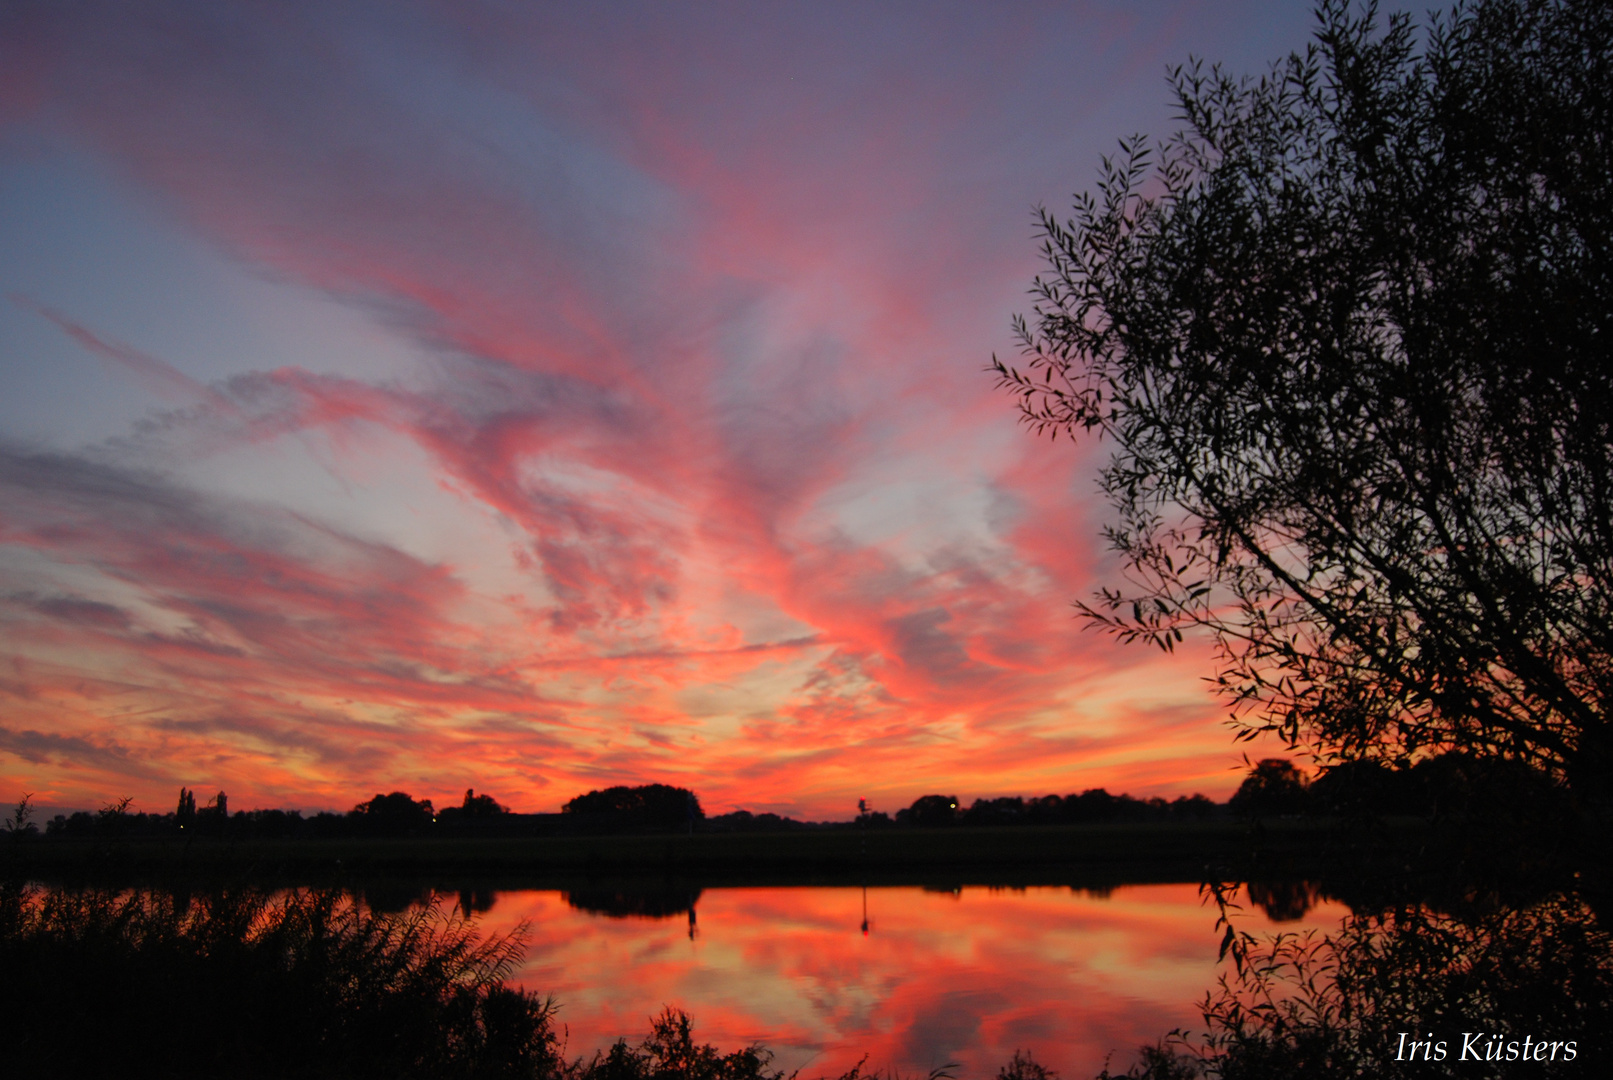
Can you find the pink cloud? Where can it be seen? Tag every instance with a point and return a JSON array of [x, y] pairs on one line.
[[686, 338]]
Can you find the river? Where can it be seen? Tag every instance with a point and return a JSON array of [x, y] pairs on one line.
[[913, 978]]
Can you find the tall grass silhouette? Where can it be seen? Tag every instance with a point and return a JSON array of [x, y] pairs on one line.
[[247, 983]]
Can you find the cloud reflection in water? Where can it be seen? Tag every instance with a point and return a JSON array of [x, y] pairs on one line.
[[965, 976]]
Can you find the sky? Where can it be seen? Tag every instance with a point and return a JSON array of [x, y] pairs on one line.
[[540, 397]]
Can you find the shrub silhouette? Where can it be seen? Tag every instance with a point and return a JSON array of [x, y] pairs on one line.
[[669, 1053], [238, 983], [1333, 1006]]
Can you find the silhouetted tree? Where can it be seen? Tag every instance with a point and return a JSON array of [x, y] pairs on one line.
[[1094, 804], [641, 903], [185, 813], [80, 823], [1364, 788], [767, 821], [930, 811], [113, 818], [474, 902], [1273, 786], [268, 824], [395, 814], [1349, 332], [481, 805], [653, 806], [1284, 900], [1193, 807], [1089, 807], [1002, 811], [482, 814]]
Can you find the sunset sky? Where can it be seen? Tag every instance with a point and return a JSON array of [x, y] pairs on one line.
[[541, 397]]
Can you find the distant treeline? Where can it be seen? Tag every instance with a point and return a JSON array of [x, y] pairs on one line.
[[644, 808], [1094, 806], [395, 814], [1443, 785]]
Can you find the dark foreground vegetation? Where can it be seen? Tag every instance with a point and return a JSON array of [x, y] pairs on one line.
[[1487, 966], [235, 983]]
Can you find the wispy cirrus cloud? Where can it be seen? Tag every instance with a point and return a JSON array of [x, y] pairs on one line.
[[700, 479]]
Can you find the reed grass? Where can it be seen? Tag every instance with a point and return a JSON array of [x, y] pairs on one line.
[[245, 983]]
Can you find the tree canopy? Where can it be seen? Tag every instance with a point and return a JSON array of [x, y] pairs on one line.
[[393, 814], [647, 805], [1273, 786], [1347, 332]]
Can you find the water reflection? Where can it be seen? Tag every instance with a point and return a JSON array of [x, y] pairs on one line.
[[913, 977], [1285, 901], [640, 903], [473, 902], [393, 897]]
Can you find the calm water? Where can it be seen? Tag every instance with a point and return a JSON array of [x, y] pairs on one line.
[[963, 976]]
